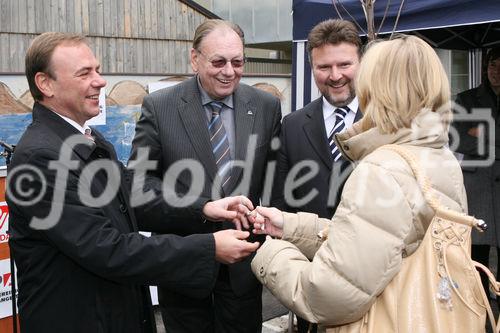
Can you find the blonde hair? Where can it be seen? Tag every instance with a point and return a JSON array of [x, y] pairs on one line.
[[399, 78]]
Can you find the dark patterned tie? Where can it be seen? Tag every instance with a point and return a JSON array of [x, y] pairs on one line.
[[340, 114], [220, 144]]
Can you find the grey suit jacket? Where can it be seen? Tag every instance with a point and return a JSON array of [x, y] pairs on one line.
[[303, 139], [174, 127]]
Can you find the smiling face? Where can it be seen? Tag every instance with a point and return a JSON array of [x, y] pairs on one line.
[[334, 68], [494, 75], [220, 44], [73, 91]]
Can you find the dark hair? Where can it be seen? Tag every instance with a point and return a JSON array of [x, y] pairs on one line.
[[493, 54], [333, 32], [210, 25], [39, 56]]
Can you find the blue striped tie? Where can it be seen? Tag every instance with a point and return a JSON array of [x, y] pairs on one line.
[[220, 144], [340, 114]]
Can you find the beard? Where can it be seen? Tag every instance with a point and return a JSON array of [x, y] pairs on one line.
[[339, 100]]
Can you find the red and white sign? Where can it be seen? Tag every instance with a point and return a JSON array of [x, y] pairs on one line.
[[5, 289], [4, 222]]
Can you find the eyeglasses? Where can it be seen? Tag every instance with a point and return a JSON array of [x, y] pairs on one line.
[[221, 62]]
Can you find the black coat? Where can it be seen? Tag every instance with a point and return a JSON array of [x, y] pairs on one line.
[[88, 273]]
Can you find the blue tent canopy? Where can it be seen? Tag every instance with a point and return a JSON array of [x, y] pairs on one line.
[[415, 14], [446, 24]]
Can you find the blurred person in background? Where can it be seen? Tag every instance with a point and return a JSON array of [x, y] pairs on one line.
[[482, 183]]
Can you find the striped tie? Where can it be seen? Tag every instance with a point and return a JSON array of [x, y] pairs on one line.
[[220, 144], [340, 114]]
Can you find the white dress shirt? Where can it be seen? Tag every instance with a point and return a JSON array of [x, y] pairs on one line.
[[74, 123], [329, 117]]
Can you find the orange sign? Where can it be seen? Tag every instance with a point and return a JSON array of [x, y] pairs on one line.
[[4, 222]]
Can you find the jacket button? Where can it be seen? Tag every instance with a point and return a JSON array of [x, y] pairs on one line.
[[123, 208], [261, 271], [346, 147]]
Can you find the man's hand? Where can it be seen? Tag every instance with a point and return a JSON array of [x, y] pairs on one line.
[[229, 209], [231, 247], [268, 221], [474, 131]]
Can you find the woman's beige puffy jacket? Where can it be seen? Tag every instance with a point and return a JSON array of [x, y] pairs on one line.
[[381, 218]]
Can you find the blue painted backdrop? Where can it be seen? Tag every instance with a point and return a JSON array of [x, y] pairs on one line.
[[119, 128]]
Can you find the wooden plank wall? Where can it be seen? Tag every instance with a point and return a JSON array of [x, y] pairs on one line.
[[266, 68], [128, 36]]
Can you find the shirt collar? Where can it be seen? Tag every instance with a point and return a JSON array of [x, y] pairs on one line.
[[328, 108], [206, 99], [74, 123]]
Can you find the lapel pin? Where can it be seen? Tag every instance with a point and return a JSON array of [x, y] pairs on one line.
[[249, 112]]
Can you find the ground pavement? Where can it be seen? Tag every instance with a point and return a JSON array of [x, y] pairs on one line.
[[274, 314]]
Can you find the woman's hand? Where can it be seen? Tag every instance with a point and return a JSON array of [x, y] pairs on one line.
[[229, 209], [266, 221]]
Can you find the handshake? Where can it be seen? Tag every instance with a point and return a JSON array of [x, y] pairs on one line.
[[231, 245]]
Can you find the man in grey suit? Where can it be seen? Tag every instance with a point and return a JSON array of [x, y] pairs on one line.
[[216, 134], [307, 150]]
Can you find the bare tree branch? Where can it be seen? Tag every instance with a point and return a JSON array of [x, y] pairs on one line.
[[397, 18], [352, 18], [370, 20], [385, 15], [337, 10]]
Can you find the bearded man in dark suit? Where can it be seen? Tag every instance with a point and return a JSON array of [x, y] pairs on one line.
[[310, 170]]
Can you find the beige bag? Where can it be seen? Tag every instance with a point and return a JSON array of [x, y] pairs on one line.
[[438, 289]]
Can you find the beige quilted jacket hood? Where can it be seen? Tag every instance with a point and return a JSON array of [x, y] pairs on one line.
[[381, 218]]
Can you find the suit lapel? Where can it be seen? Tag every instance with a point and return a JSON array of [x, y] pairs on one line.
[[315, 131], [101, 141], [62, 129], [244, 116], [195, 123], [358, 116]]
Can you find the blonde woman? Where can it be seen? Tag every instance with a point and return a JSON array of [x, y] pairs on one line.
[[382, 217]]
